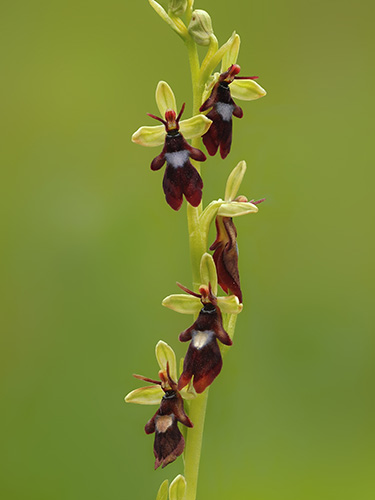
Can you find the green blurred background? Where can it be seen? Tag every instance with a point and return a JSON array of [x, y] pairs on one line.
[[90, 249]]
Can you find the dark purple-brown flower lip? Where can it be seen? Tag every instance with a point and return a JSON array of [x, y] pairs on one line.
[[169, 442], [203, 360]]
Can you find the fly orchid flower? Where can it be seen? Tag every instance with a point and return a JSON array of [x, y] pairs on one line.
[[223, 108], [169, 442], [180, 177], [203, 360], [225, 246]]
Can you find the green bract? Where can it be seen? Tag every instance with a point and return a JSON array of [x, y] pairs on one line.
[[163, 491], [177, 488]]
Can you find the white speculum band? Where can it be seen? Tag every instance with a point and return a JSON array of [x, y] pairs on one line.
[[177, 158], [225, 110], [202, 338], [163, 422]]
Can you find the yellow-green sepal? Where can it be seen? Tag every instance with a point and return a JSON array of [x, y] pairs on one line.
[[165, 98], [196, 126], [234, 181], [163, 491], [182, 303], [149, 136], [236, 208], [177, 488], [231, 55], [150, 395], [208, 272], [229, 304], [165, 354], [247, 90]]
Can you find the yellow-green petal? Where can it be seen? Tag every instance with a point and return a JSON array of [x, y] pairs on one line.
[[184, 304], [195, 126], [208, 272], [165, 98], [231, 55], [149, 136], [177, 488], [247, 90], [150, 395], [236, 208], [163, 491], [234, 181], [165, 354], [229, 304]]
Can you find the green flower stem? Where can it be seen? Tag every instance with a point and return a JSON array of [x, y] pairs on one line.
[[193, 447], [197, 242], [198, 233], [196, 239]]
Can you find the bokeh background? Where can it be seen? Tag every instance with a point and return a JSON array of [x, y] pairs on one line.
[[89, 250]]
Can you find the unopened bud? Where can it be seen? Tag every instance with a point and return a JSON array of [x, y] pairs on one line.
[[177, 7], [200, 27]]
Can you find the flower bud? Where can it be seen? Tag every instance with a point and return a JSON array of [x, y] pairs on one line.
[[200, 27], [177, 7]]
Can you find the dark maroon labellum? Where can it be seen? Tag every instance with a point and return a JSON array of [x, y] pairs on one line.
[[203, 359], [180, 177], [169, 442]]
